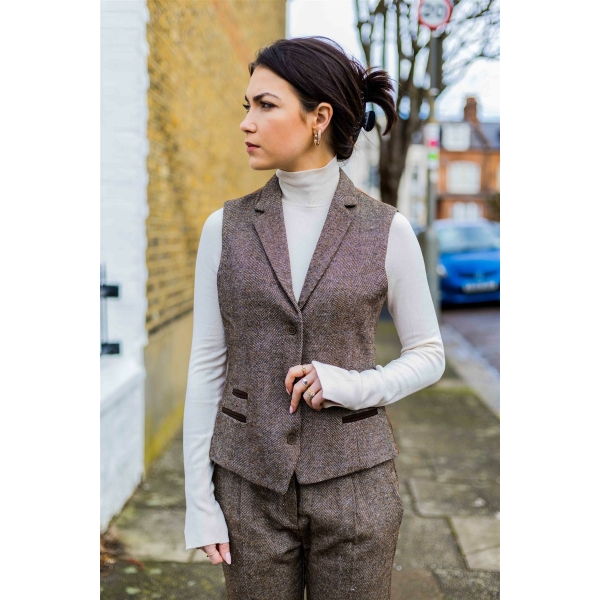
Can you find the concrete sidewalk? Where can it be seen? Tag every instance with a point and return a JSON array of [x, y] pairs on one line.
[[449, 543]]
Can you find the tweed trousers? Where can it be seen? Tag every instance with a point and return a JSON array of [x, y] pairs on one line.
[[336, 537]]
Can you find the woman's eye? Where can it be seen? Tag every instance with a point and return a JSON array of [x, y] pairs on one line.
[[265, 104]]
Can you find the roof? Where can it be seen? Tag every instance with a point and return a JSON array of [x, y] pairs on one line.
[[489, 130]]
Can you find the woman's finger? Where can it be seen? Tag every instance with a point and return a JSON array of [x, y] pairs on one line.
[[224, 552], [293, 373], [315, 401], [215, 557], [299, 388]]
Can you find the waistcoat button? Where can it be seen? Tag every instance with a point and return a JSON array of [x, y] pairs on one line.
[[291, 330], [291, 438]]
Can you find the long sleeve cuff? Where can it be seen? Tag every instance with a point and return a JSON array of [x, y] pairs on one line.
[[414, 370], [204, 521], [339, 386]]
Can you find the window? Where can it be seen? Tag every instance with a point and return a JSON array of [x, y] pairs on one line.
[[463, 177], [465, 210]]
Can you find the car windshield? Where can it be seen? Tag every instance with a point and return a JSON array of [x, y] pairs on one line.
[[468, 238]]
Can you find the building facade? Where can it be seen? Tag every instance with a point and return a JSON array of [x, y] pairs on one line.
[[469, 177]]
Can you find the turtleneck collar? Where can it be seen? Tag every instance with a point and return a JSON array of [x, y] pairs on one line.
[[313, 187]]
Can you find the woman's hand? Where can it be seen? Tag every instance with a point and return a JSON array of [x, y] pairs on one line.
[[299, 389], [218, 552]]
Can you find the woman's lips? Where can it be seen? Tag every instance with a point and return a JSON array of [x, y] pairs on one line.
[[251, 148]]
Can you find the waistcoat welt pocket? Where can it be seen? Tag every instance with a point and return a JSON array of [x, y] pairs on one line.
[[361, 415], [234, 415], [239, 393]]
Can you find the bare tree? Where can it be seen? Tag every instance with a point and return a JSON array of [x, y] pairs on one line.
[[472, 33]]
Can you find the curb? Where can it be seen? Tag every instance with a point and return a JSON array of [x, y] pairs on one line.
[[472, 368]]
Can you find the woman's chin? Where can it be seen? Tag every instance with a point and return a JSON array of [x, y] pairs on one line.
[[259, 164]]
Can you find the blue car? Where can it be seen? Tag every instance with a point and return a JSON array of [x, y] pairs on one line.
[[469, 260]]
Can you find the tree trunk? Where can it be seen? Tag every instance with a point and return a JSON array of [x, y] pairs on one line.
[[393, 149]]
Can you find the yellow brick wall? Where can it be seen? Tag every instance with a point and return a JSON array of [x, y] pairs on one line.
[[199, 52], [198, 66]]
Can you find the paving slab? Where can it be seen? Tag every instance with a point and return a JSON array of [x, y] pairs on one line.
[[485, 560], [450, 407], [480, 467], [163, 492], [425, 544], [414, 584], [479, 540], [468, 585], [164, 581], [446, 441], [413, 463], [439, 499], [152, 534], [164, 483]]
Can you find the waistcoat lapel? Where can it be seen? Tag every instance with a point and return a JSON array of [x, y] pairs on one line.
[[336, 224], [270, 226]]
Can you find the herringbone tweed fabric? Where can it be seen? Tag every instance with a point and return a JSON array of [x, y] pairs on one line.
[[337, 536], [267, 332]]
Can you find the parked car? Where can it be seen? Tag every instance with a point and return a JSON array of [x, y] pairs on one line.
[[469, 260]]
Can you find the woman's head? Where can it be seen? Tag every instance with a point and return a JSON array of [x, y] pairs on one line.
[[313, 86]]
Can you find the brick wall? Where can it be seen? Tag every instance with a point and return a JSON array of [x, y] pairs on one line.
[[490, 186], [199, 52], [198, 69]]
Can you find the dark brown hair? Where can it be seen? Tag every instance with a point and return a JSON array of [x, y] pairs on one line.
[[319, 71]]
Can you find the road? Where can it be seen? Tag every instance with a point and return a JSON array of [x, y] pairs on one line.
[[479, 324]]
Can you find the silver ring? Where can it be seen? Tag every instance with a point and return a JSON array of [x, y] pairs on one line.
[[305, 382]]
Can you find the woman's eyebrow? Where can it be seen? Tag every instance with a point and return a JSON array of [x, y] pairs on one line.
[[259, 96]]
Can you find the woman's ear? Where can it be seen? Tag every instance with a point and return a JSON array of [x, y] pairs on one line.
[[324, 115]]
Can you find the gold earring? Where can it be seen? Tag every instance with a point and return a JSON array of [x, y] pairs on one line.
[[317, 138]]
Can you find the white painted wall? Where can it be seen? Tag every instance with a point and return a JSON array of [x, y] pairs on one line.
[[124, 208]]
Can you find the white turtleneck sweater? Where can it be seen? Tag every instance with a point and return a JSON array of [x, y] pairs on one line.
[[306, 199]]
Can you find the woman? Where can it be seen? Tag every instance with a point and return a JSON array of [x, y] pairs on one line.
[[289, 455]]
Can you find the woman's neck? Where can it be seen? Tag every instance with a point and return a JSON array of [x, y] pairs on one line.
[[314, 187]]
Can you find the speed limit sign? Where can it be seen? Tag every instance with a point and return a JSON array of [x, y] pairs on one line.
[[434, 13]]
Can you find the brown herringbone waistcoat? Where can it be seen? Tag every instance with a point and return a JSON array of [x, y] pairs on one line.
[[267, 332]]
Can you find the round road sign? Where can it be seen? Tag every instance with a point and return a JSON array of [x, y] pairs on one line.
[[434, 13]]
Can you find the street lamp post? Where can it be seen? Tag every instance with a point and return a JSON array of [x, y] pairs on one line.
[[430, 241], [431, 134], [433, 14]]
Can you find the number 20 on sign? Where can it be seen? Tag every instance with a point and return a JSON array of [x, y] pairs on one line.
[[434, 13]]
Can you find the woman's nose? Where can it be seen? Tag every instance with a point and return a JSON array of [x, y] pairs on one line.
[[247, 126]]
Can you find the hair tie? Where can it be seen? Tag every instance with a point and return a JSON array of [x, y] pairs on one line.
[[369, 118], [369, 121]]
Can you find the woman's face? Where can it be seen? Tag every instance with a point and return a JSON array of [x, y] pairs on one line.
[[274, 123]]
